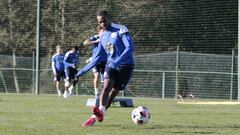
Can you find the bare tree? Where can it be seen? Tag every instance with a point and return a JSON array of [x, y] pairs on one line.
[[11, 17], [62, 6]]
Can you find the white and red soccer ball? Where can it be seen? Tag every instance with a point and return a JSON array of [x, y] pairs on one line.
[[141, 115]]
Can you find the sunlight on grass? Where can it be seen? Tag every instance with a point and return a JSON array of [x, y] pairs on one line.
[[50, 115]]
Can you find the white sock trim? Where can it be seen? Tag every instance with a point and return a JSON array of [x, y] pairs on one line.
[[102, 108]]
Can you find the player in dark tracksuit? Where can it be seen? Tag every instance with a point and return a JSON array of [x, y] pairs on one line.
[[97, 62], [70, 63]]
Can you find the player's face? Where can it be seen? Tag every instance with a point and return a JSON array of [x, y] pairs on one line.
[[103, 22], [74, 50], [58, 50]]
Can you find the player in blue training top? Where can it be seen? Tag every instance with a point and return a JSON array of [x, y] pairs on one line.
[[70, 63], [118, 45], [58, 68], [97, 61]]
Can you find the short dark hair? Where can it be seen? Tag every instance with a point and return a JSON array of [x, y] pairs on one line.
[[103, 13], [76, 48]]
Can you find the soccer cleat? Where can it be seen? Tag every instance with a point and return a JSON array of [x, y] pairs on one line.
[[70, 90], [66, 95], [89, 122], [98, 113]]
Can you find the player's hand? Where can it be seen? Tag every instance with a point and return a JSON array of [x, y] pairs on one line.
[[73, 66], [89, 60]]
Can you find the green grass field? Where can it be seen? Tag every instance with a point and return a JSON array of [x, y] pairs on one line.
[[50, 115]]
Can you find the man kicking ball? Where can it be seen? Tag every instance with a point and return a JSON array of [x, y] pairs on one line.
[[117, 43]]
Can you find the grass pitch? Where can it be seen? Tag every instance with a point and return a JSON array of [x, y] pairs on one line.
[[50, 115]]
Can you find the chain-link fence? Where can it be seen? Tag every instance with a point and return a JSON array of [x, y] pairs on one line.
[[205, 31], [155, 75]]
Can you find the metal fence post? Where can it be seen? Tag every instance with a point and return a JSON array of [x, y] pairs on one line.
[[238, 97], [37, 48], [177, 72], [33, 71], [163, 85], [232, 70]]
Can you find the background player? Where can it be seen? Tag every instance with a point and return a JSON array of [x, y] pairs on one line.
[[70, 64], [98, 60], [118, 45], [58, 68]]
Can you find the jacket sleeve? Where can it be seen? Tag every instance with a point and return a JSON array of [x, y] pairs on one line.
[[129, 48], [67, 64], [96, 58], [53, 66]]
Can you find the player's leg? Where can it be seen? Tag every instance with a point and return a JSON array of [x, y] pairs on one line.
[[62, 77], [74, 79], [58, 77], [104, 97], [102, 77], [109, 81], [67, 82], [96, 88], [112, 95], [98, 112], [124, 75], [102, 69], [58, 88], [96, 81]]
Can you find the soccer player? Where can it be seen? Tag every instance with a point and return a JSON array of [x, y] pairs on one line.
[[118, 45], [58, 68], [70, 63], [98, 60]]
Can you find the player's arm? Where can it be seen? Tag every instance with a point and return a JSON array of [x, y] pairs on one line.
[[53, 66], [77, 58], [92, 40], [88, 42], [129, 47], [96, 58], [67, 64]]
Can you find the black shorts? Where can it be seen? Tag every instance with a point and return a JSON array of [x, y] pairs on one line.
[[70, 73], [59, 75], [100, 67], [120, 75]]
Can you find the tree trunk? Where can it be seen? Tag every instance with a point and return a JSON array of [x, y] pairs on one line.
[[55, 16], [14, 73], [63, 21], [13, 46], [10, 18], [4, 84]]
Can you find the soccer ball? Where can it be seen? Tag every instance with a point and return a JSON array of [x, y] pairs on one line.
[[140, 115]]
